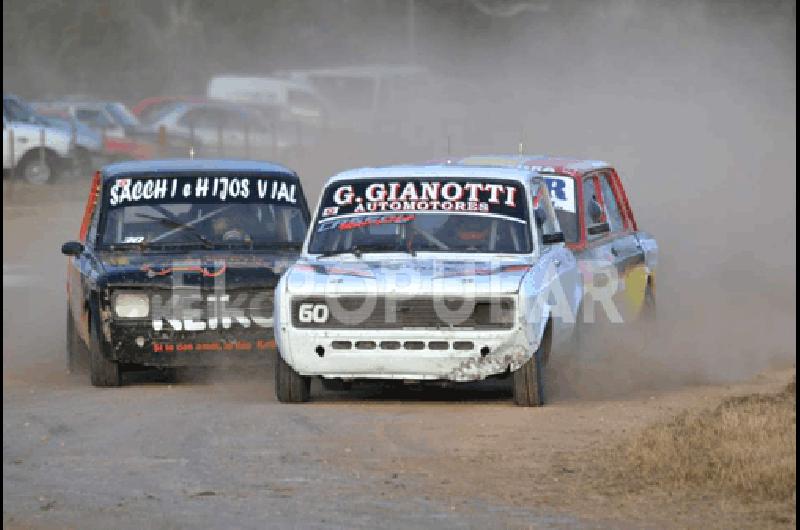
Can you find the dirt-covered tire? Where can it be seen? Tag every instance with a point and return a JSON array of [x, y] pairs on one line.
[[102, 371], [35, 170], [75, 349], [290, 387], [529, 380]]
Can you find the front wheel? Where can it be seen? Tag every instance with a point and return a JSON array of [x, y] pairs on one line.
[[74, 349], [102, 371], [528, 380], [290, 387]]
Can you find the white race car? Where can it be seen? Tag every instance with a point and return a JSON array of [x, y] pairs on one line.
[[428, 273]]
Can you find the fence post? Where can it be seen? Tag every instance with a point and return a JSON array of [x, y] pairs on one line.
[[247, 140], [162, 141], [191, 139]]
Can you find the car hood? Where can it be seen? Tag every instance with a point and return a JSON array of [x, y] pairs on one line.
[[204, 269], [410, 276]]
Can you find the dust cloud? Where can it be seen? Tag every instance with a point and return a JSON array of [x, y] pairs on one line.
[[694, 102]]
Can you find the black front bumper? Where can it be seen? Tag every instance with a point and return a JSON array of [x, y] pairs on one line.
[[140, 344]]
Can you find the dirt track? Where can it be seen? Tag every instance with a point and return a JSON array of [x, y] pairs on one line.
[[219, 451]]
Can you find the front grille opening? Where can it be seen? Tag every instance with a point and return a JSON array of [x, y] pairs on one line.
[[463, 345], [414, 345], [341, 345], [366, 345], [496, 312], [438, 345], [390, 345]]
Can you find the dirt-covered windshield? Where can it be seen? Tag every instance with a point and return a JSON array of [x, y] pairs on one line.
[[255, 211], [430, 215]]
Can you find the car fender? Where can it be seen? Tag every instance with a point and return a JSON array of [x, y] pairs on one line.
[[280, 315]]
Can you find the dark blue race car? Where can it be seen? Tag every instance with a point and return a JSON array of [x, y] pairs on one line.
[[176, 264]]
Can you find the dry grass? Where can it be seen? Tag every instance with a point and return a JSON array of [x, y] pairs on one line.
[[742, 452]]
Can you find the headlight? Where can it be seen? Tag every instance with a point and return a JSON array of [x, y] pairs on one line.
[[131, 305]]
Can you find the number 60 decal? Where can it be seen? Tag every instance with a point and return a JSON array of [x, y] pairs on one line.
[[317, 313]]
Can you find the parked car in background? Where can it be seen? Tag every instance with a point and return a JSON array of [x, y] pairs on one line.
[[111, 117], [292, 101], [33, 148], [149, 108], [124, 136], [228, 130], [158, 237]]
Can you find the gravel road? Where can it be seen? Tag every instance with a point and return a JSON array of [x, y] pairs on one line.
[[218, 451]]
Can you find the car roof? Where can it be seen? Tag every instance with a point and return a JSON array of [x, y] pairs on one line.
[[432, 170], [542, 163], [193, 165]]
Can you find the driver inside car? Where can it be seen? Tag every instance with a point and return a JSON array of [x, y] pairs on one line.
[[465, 232], [230, 227]]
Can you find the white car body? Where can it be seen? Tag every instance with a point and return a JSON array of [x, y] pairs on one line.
[[535, 282], [28, 139]]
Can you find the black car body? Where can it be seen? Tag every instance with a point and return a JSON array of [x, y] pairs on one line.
[[177, 262]]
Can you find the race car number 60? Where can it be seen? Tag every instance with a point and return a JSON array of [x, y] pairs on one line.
[[317, 313]]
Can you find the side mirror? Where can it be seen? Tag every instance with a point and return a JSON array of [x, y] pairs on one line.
[[552, 239], [72, 248], [596, 230]]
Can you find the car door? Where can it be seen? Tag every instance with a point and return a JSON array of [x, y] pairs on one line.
[[626, 247], [566, 289], [612, 247]]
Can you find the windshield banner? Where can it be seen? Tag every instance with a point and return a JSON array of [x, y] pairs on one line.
[[494, 198], [144, 190]]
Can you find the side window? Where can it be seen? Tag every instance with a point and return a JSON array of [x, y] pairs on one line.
[[543, 211], [93, 118], [611, 207], [563, 193], [592, 207]]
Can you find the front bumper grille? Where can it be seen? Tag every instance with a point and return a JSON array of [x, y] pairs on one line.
[[380, 313]]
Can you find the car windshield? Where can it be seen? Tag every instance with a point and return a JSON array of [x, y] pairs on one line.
[[122, 115], [207, 211], [429, 215]]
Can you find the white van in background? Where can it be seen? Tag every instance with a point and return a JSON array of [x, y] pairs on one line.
[[295, 101], [366, 95]]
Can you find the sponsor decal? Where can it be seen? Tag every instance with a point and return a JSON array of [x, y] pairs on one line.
[[198, 189], [239, 345], [562, 193], [499, 198]]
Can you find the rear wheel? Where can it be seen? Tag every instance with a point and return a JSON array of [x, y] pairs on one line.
[[102, 371], [649, 305], [528, 380], [290, 387]]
